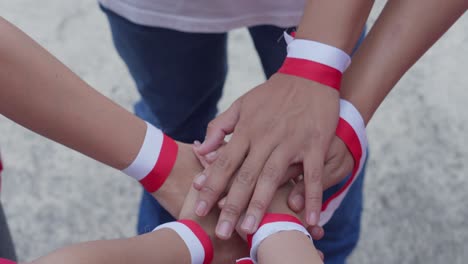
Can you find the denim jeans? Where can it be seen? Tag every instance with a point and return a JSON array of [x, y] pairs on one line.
[[7, 249], [180, 77]]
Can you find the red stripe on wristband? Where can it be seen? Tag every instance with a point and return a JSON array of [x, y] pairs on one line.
[[1, 169], [313, 71], [202, 236], [158, 175], [6, 261], [245, 261], [346, 133]]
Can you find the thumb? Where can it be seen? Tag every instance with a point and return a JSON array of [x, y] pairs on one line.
[[296, 197], [218, 128]]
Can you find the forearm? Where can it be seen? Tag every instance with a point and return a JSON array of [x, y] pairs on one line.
[[40, 93], [161, 246], [404, 31], [333, 22]]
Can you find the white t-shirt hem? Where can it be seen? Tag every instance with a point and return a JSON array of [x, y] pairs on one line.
[[154, 18]]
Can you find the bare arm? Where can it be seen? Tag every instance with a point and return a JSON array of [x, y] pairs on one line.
[[403, 33], [40, 93], [334, 22], [161, 246], [286, 120]]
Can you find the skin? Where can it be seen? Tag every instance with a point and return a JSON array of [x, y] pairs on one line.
[[404, 31], [90, 123], [41, 94], [286, 120], [166, 246]]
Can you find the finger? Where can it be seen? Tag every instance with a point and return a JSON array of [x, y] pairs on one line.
[[218, 128], [296, 197], [316, 232], [313, 171], [215, 178], [270, 178], [241, 190]]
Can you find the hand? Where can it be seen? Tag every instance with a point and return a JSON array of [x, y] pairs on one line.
[[279, 205], [226, 251], [339, 164], [286, 120]]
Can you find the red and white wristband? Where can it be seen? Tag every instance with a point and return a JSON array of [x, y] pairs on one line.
[[1, 169], [155, 160], [245, 261], [272, 224], [315, 61], [6, 261], [196, 239], [352, 130]]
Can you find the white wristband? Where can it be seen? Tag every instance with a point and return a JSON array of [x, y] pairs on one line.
[[318, 52], [272, 224], [196, 240]]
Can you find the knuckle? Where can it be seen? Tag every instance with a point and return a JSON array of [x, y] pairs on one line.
[[231, 210], [210, 191], [313, 175], [212, 125], [316, 134], [223, 162], [270, 173], [245, 177], [258, 205], [314, 198]]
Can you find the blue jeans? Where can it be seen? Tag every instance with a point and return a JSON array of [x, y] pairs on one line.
[[7, 249], [180, 77]]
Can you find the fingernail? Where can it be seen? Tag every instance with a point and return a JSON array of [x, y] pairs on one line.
[[201, 208], [211, 156], [313, 219], [223, 229], [298, 201], [200, 179], [197, 143], [316, 232], [248, 224]]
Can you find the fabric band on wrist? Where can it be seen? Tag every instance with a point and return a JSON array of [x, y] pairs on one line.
[[1, 169], [270, 225], [195, 238], [155, 160], [351, 130], [244, 261], [315, 61], [6, 261]]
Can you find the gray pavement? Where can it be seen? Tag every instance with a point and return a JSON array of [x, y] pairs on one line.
[[416, 185]]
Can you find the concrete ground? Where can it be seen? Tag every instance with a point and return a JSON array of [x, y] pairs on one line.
[[416, 185]]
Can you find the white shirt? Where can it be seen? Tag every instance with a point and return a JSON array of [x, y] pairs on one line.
[[208, 15]]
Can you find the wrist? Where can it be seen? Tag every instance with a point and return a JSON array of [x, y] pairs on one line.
[[173, 192]]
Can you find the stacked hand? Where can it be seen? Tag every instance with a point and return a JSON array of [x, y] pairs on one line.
[[287, 122]]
